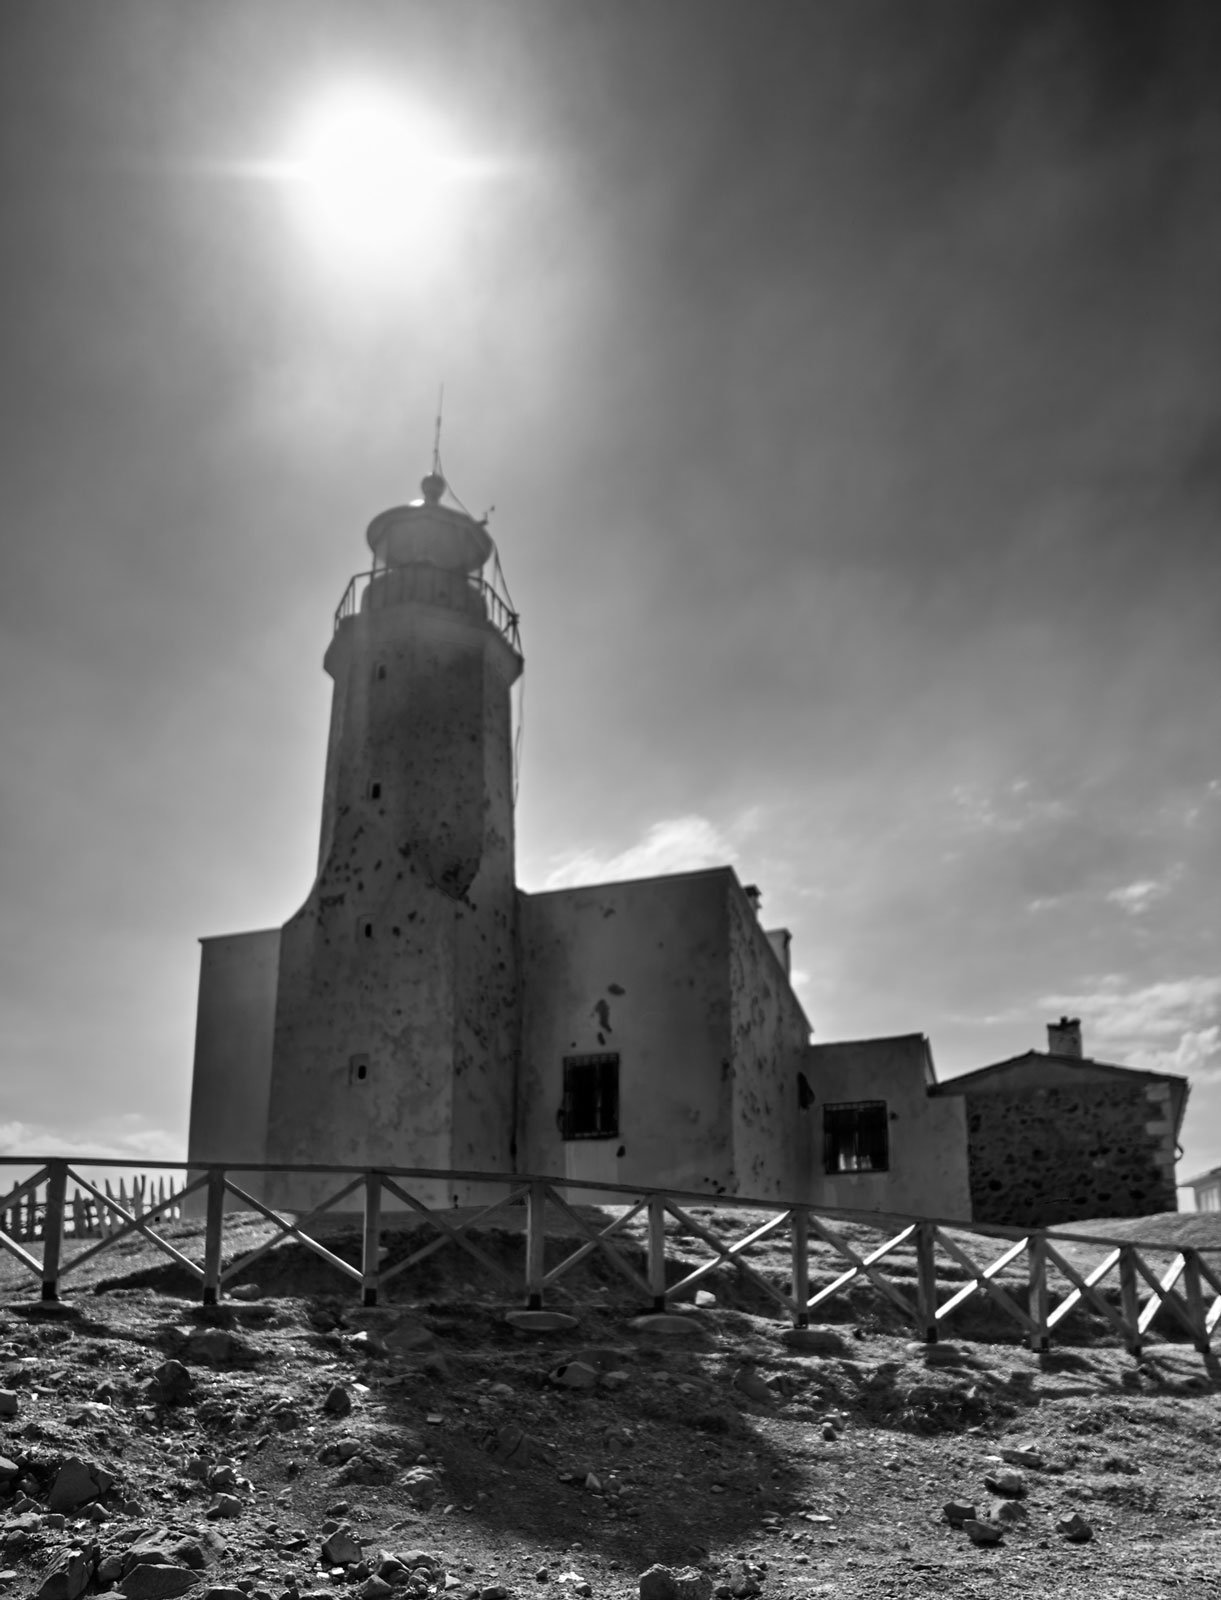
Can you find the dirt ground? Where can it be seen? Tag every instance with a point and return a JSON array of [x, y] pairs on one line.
[[800, 1472]]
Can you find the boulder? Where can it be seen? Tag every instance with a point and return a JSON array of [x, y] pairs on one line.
[[10, 1404], [1007, 1483], [815, 1341], [68, 1576], [748, 1382], [171, 1385], [982, 1532], [1074, 1528], [212, 1345], [575, 1375], [422, 1486], [147, 1582], [341, 1548], [76, 1483], [956, 1514], [338, 1402], [408, 1335]]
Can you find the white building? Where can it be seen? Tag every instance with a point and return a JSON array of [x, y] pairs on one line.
[[420, 1010]]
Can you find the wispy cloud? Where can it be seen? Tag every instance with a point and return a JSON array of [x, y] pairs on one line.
[[678, 844], [1136, 897], [1172, 1026], [121, 1138], [1005, 809], [1197, 1055]]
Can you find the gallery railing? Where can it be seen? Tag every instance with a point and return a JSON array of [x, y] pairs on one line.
[[421, 583], [929, 1278]]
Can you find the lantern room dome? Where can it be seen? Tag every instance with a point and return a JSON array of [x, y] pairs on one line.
[[427, 533]]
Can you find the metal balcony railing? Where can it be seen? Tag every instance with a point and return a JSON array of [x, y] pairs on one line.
[[424, 584]]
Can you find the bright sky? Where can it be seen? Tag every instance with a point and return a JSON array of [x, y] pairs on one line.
[[845, 381]]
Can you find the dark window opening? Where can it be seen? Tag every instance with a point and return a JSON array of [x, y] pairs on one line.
[[375, 790], [855, 1137], [358, 1068], [379, 672], [364, 928], [591, 1097], [805, 1095]]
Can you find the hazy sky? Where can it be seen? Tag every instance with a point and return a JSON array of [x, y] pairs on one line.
[[844, 376]]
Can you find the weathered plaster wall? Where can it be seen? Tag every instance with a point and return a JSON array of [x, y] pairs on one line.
[[1050, 1146], [928, 1173], [639, 968], [396, 1016], [234, 1029], [769, 1034]]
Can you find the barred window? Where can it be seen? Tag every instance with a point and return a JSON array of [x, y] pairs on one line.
[[855, 1137], [591, 1097]]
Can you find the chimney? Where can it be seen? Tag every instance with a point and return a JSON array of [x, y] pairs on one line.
[[1064, 1037], [753, 894], [781, 941]]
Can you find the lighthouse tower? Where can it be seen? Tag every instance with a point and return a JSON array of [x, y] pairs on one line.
[[397, 1013]]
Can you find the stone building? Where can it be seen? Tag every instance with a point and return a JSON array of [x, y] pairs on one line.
[[1053, 1136]]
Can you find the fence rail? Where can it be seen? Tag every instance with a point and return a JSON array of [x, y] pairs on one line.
[[921, 1267]]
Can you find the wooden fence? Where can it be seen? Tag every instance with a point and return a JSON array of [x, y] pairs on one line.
[[927, 1270], [23, 1210]]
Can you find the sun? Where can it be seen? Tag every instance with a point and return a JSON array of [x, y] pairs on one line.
[[374, 175]]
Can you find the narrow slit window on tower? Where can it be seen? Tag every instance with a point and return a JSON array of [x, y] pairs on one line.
[[591, 1097], [358, 1068], [379, 672], [364, 928], [856, 1137], [375, 790]]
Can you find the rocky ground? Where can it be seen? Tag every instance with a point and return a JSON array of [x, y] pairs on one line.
[[293, 1443]]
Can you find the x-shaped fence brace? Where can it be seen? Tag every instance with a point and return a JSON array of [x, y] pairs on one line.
[[1182, 1291]]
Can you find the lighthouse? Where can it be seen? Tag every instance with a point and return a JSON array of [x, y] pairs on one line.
[[397, 1011]]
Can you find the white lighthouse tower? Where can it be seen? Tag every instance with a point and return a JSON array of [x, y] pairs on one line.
[[397, 1015]]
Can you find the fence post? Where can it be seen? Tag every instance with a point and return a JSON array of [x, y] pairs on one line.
[[1129, 1298], [53, 1227], [1036, 1301], [214, 1235], [657, 1251], [800, 1242], [926, 1280], [370, 1263], [1193, 1290], [536, 1240]]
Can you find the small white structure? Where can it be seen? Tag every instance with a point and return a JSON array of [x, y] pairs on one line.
[[1207, 1190]]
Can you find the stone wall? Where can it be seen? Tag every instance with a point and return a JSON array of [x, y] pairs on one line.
[[1062, 1153]]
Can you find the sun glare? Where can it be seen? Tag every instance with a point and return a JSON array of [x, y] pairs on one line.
[[375, 177]]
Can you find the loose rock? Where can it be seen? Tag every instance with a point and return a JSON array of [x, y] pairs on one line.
[[982, 1532], [575, 1375], [76, 1483], [69, 1575], [1006, 1483], [157, 1583], [338, 1402], [1074, 1528]]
